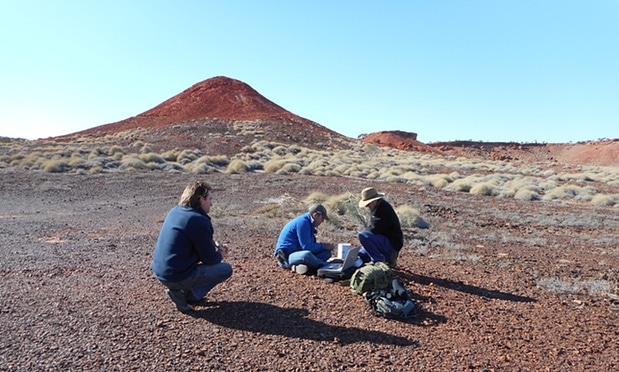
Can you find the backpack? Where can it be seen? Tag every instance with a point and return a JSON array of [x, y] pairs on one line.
[[371, 277], [392, 303]]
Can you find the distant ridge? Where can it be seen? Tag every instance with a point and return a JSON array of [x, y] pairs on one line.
[[221, 115]]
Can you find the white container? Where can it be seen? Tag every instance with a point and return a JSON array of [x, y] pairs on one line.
[[342, 250]]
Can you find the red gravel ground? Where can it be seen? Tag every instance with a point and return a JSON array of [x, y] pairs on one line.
[[78, 292]]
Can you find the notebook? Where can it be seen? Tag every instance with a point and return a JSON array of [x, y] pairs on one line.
[[349, 261]]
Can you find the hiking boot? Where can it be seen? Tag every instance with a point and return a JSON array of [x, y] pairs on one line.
[[192, 300], [178, 297], [281, 256], [300, 269], [393, 260], [200, 302]]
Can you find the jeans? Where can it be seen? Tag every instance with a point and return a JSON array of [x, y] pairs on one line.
[[313, 261], [376, 247], [201, 281]]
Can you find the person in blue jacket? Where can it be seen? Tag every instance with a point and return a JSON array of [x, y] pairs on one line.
[[187, 260], [297, 248]]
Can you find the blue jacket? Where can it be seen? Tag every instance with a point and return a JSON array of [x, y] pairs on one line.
[[298, 234], [185, 240]]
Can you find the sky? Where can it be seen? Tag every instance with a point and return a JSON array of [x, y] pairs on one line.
[[481, 70]]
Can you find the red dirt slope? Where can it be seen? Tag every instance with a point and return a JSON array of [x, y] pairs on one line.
[[215, 98], [217, 108], [398, 139]]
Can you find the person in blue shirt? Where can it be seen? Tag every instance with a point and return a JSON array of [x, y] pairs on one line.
[[186, 259], [296, 246]]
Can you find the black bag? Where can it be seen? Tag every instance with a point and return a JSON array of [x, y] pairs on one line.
[[393, 303], [330, 276]]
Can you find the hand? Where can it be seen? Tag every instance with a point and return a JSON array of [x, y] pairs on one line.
[[328, 246], [222, 248]]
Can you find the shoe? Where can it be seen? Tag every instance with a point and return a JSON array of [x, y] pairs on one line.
[[300, 269], [200, 302], [191, 300], [178, 297], [281, 256], [393, 260]]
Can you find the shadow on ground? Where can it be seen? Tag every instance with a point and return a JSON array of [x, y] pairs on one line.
[[269, 319], [459, 286]]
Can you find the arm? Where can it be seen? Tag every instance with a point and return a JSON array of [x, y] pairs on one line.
[[387, 223], [307, 240], [201, 235], [383, 219]]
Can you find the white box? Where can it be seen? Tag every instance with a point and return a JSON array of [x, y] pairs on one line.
[[342, 250]]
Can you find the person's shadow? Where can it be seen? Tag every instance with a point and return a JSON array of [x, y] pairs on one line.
[[269, 319], [459, 286]]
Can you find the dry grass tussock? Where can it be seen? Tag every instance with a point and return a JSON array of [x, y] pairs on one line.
[[499, 179]]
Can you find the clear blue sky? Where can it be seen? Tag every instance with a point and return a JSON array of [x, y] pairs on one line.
[[495, 70]]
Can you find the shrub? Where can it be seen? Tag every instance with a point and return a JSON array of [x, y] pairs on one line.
[[568, 191], [5, 159], [526, 194], [96, 152], [30, 160], [115, 149], [95, 170], [219, 160], [272, 166], [171, 155], [439, 180], [282, 206], [485, 189], [132, 162], [291, 167], [280, 150], [55, 166], [76, 160], [410, 217], [604, 200], [254, 165], [199, 168], [315, 197], [146, 149], [151, 158], [237, 166], [186, 156], [171, 167], [462, 184]]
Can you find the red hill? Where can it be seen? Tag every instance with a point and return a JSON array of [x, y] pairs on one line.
[[216, 98], [221, 107]]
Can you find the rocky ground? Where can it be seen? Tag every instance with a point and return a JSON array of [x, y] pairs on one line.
[[501, 284]]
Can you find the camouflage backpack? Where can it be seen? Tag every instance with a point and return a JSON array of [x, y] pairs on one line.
[[371, 277], [393, 303]]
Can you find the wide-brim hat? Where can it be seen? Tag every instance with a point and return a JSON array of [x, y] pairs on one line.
[[368, 195]]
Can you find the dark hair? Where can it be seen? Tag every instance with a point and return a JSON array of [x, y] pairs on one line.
[[192, 193]]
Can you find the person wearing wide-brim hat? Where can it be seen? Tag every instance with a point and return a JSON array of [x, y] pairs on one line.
[[382, 239], [296, 246]]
